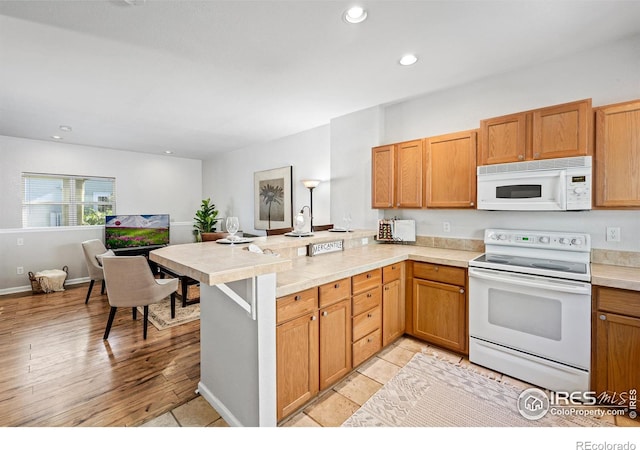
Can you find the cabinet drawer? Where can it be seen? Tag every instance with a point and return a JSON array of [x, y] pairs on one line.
[[366, 347], [365, 281], [331, 293], [437, 272], [365, 301], [296, 305], [366, 323], [619, 301], [391, 273]]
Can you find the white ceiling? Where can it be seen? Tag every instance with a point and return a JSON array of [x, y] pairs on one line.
[[199, 77]]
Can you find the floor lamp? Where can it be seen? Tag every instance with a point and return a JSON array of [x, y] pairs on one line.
[[311, 185]]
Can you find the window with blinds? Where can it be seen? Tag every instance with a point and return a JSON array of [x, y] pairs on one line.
[[50, 200]]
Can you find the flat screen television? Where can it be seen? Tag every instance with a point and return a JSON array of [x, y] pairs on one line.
[[136, 230]]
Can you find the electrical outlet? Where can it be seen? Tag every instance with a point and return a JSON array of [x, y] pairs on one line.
[[446, 227], [20, 241], [302, 251], [20, 270], [365, 241], [613, 234]]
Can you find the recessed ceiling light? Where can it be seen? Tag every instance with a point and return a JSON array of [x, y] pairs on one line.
[[408, 60], [355, 14], [65, 128], [57, 138], [168, 152]]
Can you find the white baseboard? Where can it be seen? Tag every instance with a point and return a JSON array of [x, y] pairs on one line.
[[27, 288]]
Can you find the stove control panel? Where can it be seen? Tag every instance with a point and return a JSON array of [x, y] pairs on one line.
[[538, 239]]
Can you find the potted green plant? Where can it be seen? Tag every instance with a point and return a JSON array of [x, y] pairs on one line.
[[205, 222]]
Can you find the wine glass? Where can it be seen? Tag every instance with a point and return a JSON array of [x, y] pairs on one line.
[[347, 222], [233, 225]]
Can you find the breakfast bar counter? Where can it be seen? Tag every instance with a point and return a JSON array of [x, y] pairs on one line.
[[238, 292]]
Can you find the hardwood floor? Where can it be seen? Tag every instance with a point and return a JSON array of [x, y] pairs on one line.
[[56, 370]]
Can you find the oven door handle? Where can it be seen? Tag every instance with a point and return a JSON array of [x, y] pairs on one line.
[[575, 287]]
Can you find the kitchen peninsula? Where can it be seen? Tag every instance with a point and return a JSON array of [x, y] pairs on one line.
[[238, 306]]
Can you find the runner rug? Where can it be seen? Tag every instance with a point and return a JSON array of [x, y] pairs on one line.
[[432, 392]]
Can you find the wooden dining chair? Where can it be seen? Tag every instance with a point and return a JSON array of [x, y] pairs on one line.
[[275, 231]]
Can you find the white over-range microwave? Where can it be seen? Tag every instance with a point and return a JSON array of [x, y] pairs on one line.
[[561, 184]]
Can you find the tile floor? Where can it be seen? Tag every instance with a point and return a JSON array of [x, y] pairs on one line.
[[337, 404]]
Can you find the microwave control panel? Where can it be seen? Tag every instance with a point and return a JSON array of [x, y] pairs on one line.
[[578, 190]]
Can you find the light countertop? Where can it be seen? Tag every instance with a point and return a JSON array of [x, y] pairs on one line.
[[314, 271], [615, 276], [212, 263]]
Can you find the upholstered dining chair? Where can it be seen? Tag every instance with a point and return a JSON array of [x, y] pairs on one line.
[[130, 283], [275, 231], [93, 250]]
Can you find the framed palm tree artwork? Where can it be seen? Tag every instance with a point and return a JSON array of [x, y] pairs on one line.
[[273, 202]]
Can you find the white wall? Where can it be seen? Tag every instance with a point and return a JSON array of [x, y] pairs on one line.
[[228, 178], [145, 184]]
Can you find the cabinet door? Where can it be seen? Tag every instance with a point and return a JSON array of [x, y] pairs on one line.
[[335, 342], [451, 170], [562, 130], [409, 172], [618, 155], [297, 363], [383, 177], [617, 353], [503, 139], [393, 313], [439, 314]]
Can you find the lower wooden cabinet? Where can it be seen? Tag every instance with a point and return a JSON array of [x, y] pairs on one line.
[[297, 359], [439, 306], [393, 312], [616, 341], [335, 342]]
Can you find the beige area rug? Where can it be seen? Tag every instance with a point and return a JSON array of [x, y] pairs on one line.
[[432, 392], [160, 313]]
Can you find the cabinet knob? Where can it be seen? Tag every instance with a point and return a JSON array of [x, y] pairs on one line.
[[297, 297], [369, 340], [462, 291], [520, 157], [368, 275], [313, 317], [386, 288], [471, 203], [369, 315], [369, 295], [603, 317], [325, 314], [436, 268], [337, 285]]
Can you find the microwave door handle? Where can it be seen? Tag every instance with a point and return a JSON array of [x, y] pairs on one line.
[[562, 197], [525, 280]]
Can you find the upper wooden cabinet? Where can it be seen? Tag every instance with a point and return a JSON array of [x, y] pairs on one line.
[[397, 175], [617, 155], [409, 174], [451, 170], [503, 139], [557, 131], [383, 178]]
